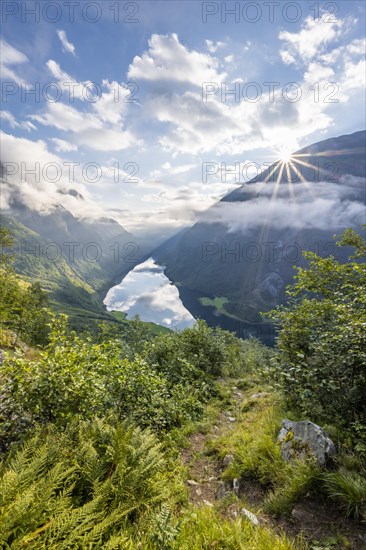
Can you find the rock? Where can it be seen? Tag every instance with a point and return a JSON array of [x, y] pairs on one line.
[[252, 517], [227, 460], [208, 503], [231, 419], [300, 439], [221, 491], [236, 486], [232, 511], [198, 492], [258, 395], [301, 515], [192, 482]]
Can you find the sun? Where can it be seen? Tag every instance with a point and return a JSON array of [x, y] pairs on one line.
[[285, 157]]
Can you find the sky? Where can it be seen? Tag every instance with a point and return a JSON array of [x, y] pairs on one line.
[[154, 110]]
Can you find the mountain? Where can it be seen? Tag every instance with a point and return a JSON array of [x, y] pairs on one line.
[[76, 260], [236, 261]]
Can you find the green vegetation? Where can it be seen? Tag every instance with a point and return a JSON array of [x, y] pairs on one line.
[[74, 288], [218, 302], [322, 341], [117, 438], [23, 306]]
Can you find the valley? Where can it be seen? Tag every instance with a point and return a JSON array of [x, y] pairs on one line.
[[182, 275]]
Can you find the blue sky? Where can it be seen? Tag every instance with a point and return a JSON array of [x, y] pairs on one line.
[[151, 150]]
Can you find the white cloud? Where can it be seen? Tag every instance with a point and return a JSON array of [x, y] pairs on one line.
[[100, 125], [37, 190], [354, 77], [175, 170], [63, 146], [11, 56], [113, 102], [67, 118], [66, 45], [13, 123], [321, 205], [310, 41], [86, 128], [169, 60], [214, 46], [357, 47]]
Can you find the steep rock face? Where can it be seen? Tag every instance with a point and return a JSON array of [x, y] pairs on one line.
[[245, 247]]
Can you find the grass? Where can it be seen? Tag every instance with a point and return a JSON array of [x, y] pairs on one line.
[[204, 528], [218, 302], [349, 490], [257, 456]]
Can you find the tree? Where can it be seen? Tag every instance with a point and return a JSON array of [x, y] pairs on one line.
[[322, 338]]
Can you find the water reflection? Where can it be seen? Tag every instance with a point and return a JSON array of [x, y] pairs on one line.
[[147, 292]]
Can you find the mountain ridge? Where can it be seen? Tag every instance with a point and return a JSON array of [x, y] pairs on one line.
[[214, 260]]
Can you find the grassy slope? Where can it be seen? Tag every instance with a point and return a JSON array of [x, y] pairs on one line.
[[154, 328], [268, 487], [71, 292]]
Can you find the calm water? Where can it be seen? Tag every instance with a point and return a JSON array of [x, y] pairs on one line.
[[147, 292]]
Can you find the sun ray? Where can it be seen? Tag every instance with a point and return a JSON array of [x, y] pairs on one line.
[[313, 167], [290, 165], [271, 202]]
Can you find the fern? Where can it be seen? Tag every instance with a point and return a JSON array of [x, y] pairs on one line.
[[84, 488]]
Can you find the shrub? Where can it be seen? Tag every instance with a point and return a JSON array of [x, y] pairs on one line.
[[194, 353], [322, 339], [75, 376]]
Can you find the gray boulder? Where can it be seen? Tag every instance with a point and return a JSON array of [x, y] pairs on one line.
[[301, 439], [227, 460]]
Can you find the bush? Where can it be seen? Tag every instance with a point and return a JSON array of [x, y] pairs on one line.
[[75, 376], [194, 353], [322, 340]]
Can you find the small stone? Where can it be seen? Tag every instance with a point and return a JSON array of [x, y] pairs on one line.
[[258, 395], [232, 511], [231, 419], [301, 515], [252, 517], [192, 482], [227, 460], [236, 486], [208, 503], [212, 478], [198, 492], [221, 492]]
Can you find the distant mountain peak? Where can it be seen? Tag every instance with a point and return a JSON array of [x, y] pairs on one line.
[[71, 192]]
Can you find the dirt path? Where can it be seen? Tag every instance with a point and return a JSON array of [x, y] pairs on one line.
[[316, 518], [204, 481]]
